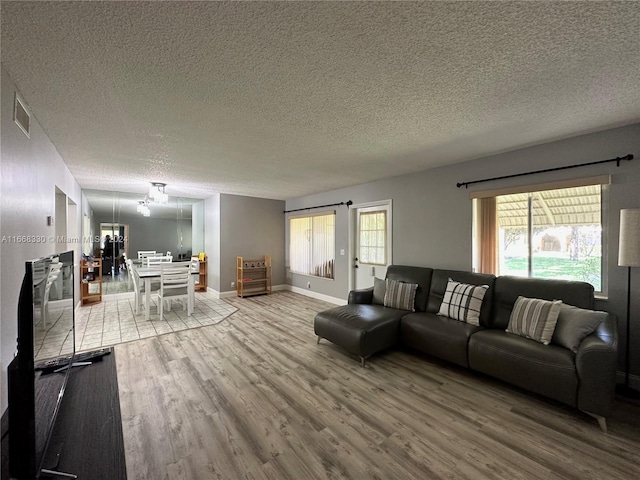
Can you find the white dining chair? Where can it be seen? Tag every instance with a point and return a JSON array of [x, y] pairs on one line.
[[158, 260], [195, 267], [45, 304], [54, 275], [138, 285], [174, 285], [142, 254]]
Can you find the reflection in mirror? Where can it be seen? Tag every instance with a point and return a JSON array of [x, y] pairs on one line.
[[53, 306], [168, 228]]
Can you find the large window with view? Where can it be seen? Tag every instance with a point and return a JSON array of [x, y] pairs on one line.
[[312, 245], [554, 233]]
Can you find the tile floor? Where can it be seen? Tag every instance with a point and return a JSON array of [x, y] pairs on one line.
[[113, 321]]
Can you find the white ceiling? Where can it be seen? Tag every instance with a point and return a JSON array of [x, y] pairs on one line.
[[279, 100]]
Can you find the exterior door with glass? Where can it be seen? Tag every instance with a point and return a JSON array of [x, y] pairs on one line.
[[372, 243]]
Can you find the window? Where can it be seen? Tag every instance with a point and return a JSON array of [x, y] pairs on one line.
[[312, 245], [373, 235], [543, 233]]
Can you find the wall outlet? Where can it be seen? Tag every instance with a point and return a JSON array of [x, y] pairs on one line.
[[233, 284], [308, 284]]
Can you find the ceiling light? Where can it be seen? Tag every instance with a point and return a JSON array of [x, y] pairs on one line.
[[143, 208], [157, 193]]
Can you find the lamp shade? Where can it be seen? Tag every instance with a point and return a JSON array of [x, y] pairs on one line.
[[629, 248]]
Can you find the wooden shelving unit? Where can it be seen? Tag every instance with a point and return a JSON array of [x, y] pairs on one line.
[[91, 281], [201, 286], [253, 276]]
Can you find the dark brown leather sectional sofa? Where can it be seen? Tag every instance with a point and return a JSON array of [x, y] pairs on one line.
[[584, 378]]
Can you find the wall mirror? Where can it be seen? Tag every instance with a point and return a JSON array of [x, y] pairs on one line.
[[115, 228]]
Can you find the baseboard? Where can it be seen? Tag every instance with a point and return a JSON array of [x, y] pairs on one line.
[[316, 295], [233, 293], [286, 288], [634, 380]]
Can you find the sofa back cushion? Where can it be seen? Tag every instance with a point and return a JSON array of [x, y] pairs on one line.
[[509, 288], [575, 324], [439, 282], [419, 275]]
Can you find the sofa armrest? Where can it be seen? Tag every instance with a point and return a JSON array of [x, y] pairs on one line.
[[596, 363], [361, 296]]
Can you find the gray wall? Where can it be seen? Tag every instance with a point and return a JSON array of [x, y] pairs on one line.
[[250, 227], [242, 226], [148, 233], [30, 170], [432, 218]]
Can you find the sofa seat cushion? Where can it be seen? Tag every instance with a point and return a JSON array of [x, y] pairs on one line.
[[360, 329], [545, 369], [439, 336]]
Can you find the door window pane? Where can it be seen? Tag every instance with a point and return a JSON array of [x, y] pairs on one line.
[[373, 235]]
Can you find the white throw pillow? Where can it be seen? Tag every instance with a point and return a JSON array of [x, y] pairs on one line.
[[463, 301]]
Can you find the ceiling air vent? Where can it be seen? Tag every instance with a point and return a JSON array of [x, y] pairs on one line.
[[21, 115]]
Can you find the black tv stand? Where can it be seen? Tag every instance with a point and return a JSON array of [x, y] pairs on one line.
[[60, 364], [49, 470]]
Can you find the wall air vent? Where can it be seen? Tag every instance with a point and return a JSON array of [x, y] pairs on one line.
[[21, 115]]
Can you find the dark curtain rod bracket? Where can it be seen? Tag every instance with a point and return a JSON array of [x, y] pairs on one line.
[[347, 203], [617, 160]]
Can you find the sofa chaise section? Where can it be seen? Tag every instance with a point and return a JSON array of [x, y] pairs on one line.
[[360, 329], [363, 327]]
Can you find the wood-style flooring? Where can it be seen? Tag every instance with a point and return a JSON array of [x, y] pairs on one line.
[[254, 397]]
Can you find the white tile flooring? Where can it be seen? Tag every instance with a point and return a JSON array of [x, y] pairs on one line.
[[113, 321]]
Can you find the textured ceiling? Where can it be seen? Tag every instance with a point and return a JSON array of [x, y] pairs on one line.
[[279, 100]]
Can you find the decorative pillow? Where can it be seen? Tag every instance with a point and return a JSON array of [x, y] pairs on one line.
[[574, 325], [534, 319], [379, 289], [462, 301], [400, 295]]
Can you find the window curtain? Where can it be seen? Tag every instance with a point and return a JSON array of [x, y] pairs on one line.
[[312, 245], [488, 235]]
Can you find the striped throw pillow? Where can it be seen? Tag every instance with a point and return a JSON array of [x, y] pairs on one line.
[[400, 295], [534, 318], [463, 302]]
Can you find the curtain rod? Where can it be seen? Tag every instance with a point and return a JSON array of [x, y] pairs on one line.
[[348, 204], [617, 160]]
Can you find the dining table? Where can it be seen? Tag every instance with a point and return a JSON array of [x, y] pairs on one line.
[[148, 274]]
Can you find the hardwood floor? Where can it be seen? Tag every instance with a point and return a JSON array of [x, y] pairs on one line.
[[254, 397]]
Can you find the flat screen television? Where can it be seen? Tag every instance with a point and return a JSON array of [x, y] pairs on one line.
[[46, 330]]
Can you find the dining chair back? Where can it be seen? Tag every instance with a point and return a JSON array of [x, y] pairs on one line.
[[54, 280], [44, 309], [54, 275], [195, 267], [174, 285], [158, 260]]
